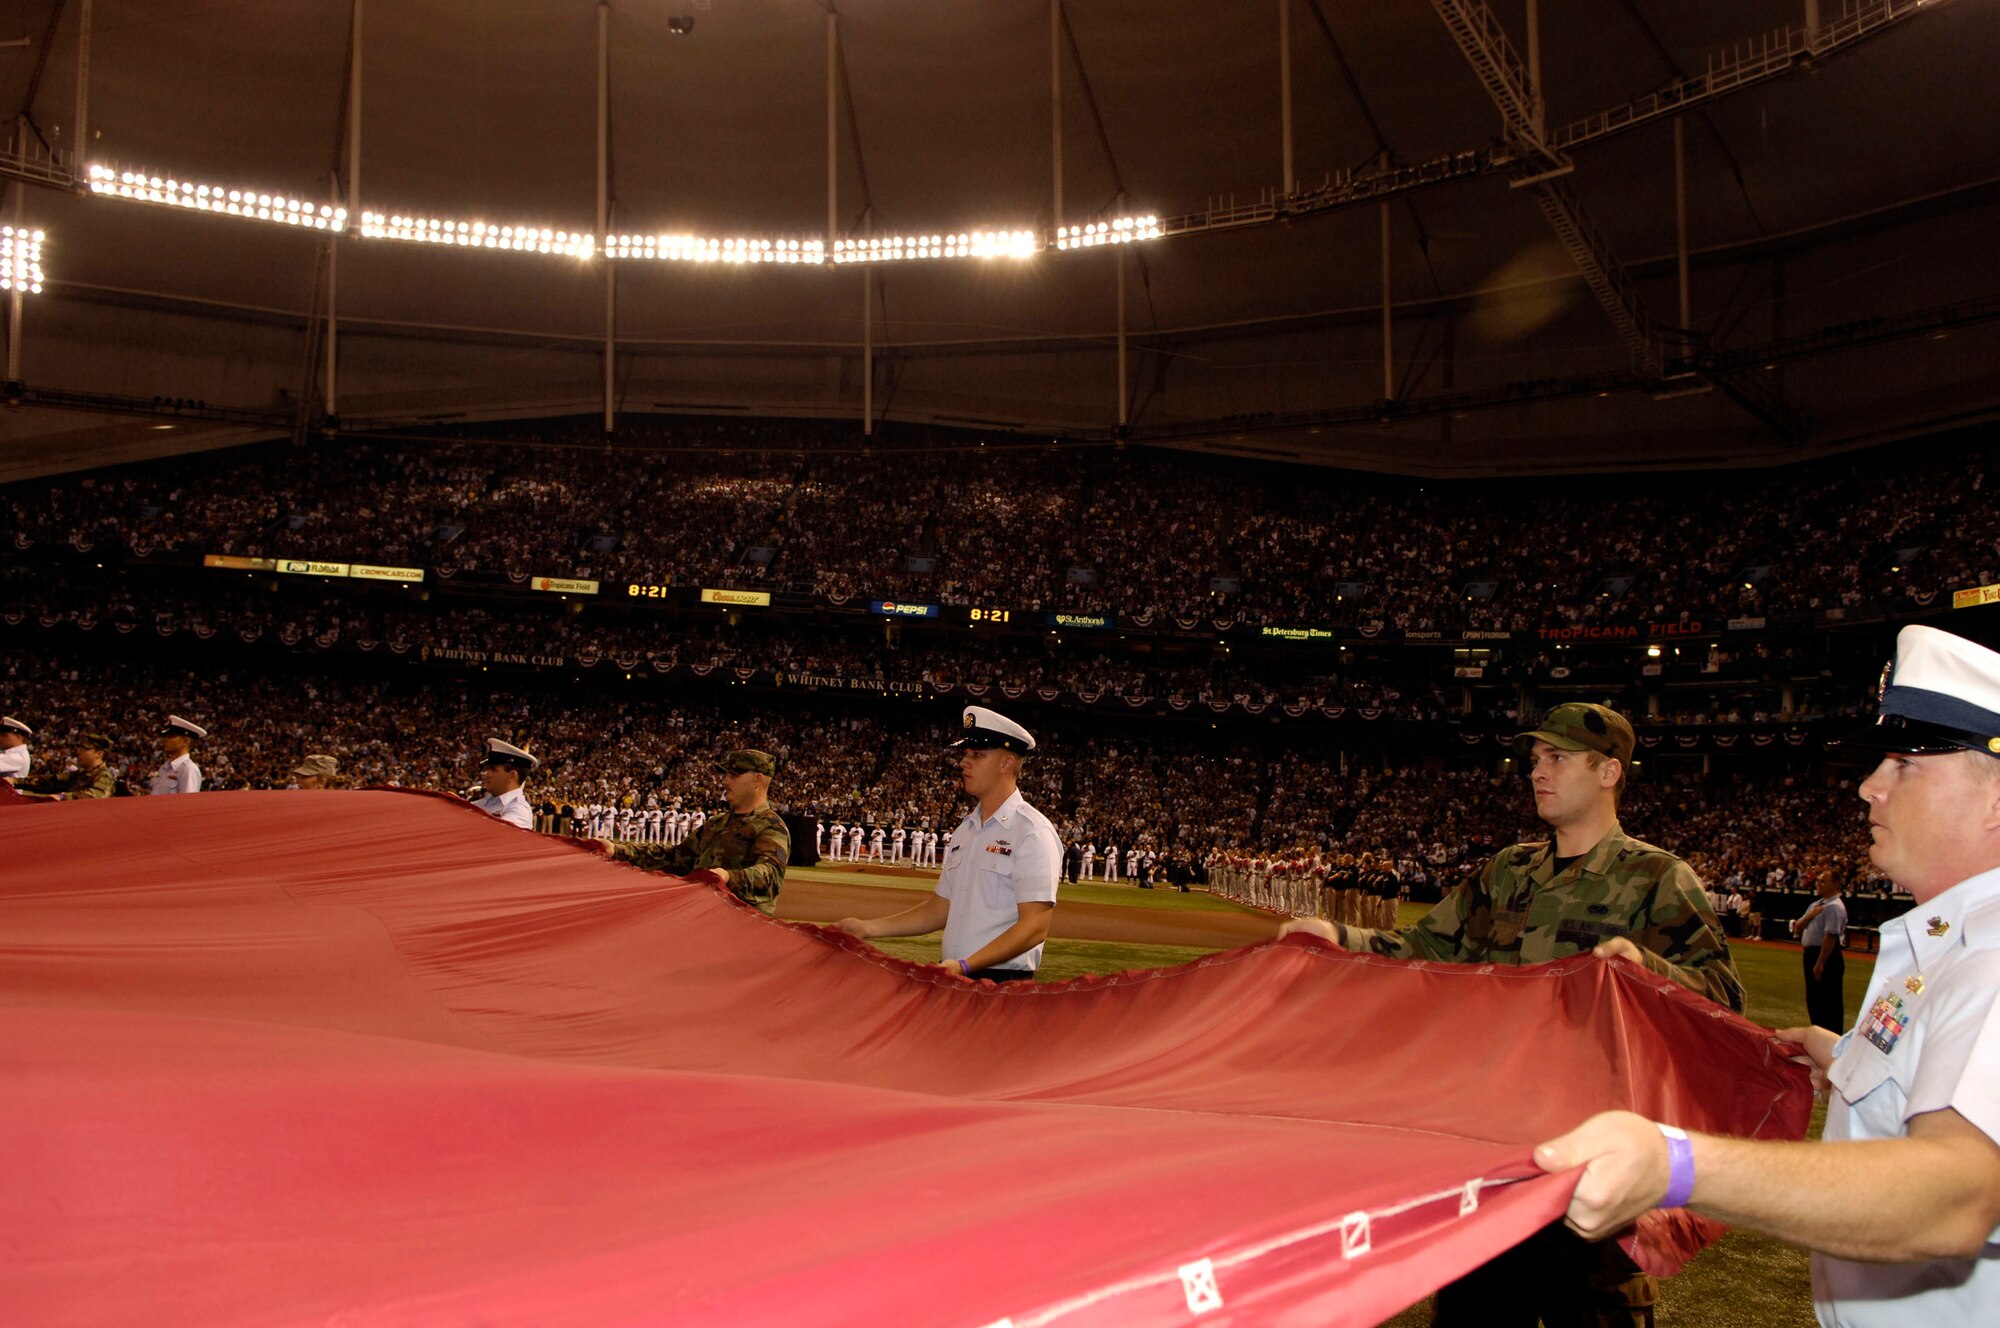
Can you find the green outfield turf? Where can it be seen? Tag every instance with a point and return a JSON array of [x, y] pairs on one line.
[[1742, 1281], [1129, 895]]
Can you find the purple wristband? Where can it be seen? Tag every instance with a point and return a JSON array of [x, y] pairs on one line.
[[1680, 1168], [963, 967]]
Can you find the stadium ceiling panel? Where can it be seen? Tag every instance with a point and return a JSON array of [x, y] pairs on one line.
[[1839, 186]]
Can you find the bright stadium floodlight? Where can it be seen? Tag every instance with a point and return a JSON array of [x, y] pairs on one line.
[[1119, 230], [280, 209], [21, 260], [249, 204], [700, 249], [477, 234], [964, 244]]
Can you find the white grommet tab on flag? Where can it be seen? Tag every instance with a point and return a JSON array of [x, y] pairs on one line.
[[1354, 1235], [1198, 1283]]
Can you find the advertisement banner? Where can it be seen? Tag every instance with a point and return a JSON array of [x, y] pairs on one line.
[[1296, 633], [237, 563], [1095, 621], [365, 572], [308, 567], [754, 598], [517, 658], [833, 682], [1974, 596], [1623, 631], [563, 585], [890, 608]]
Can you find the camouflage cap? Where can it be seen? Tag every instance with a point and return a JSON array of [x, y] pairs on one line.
[[747, 760], [1579, 726], [317, 766], [97, 742]]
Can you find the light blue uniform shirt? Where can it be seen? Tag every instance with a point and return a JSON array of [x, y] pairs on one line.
[[1912, 1053], [1831, 918], [993, 867]]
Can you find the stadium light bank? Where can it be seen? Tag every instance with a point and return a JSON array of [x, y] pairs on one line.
[[262, 206], [21, 260]]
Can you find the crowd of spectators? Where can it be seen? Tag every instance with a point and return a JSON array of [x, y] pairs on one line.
[[1167, 792], [1082, 667], [1180, 791], [944, 518]]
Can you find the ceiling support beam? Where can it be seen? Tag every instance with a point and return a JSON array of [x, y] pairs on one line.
[[832, 128], [353, 181], [81, 151], [867, 349], [15, 297], [1508, 81], [610, 391], [1388, 312], [1504, 74], [1285, 96], [1124, 373], [1056, 213], [1600, 271], [1756, 60], [1681, 231]]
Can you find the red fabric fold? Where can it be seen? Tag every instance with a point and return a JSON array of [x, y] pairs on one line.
[[283, 1058]]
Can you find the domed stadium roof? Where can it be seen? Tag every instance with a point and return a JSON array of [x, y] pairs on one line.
[[1841, 186]]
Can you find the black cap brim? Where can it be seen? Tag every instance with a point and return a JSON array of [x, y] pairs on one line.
[[1900, 736], [989, 743]]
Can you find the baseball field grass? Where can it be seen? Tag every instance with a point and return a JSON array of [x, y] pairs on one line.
[[1742, 1281]]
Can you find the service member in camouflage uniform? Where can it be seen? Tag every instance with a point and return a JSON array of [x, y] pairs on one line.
[[92, 776], [748, 848], [1592, 887]]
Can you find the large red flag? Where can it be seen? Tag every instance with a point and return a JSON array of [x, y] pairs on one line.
[[369, 1057]]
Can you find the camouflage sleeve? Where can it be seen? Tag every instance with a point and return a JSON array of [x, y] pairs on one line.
[[763, 871], [673, 859], [1683, 941], [1439, 934], [102, 784]]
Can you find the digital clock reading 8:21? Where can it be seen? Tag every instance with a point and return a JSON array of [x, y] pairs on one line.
[[992, 615]]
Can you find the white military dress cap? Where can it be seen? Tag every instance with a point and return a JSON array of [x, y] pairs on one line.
[[1941, 693], [506, 753], [13, 725], [983, 728], [175, 724]]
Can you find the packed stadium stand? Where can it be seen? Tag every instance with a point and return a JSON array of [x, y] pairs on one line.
[[1353, 696]]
